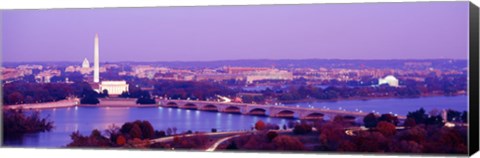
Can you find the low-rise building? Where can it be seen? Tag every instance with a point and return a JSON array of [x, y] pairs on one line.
[[114, 87]]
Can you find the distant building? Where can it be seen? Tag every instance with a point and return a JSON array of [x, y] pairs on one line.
[[39, 67], [11, 73], [85, 63], [45, 76], [241, 70], [219, 77], [390, 80], [114, 87], [70, 69], [270, 74]]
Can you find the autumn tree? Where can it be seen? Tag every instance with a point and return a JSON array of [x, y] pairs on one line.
[[331, 134], [369, 141], [447, 140], [260, 125], [284, 142], [346, 146], [136, 131], [417, 134], [386, 128]]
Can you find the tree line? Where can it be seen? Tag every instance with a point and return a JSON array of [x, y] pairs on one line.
[[17, 122]]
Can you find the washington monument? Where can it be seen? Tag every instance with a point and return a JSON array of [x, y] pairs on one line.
[[96, 64]]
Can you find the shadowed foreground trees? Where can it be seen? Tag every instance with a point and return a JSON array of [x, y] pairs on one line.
[[18, 122], [335, 135], [266, 141], [302, 128], [22, 92], [89, 99], [130, 134], [428, 136], [95, 139], [413, 140], [136, 134], [143, 97]]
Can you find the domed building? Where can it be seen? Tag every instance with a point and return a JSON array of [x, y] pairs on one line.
[[85, 63], [390, 80]]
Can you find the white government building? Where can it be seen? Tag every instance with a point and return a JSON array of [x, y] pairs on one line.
[[114, 87], [390, 80]]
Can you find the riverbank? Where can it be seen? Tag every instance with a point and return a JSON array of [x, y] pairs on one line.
[[68, 103], [49, 105], [119, 106]]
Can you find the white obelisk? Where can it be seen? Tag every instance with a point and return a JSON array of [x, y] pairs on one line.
[[96, 65]]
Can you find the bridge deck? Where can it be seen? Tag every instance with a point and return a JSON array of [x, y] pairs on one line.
[[270, 107]]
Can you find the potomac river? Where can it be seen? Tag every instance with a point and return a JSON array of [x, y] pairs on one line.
[[85, 119]]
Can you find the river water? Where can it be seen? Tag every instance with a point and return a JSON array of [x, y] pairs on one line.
[[85, 119], [400, 106]]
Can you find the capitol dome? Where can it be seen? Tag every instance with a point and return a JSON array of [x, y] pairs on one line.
[[390, 80], [85, 63]]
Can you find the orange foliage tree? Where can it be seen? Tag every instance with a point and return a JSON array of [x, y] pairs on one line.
[[121, 140], [387, 129], [260, 125]]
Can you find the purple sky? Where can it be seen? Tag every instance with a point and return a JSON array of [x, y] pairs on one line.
[[325, 31]]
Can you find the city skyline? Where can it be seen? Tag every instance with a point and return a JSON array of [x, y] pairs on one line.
[[389, 78], [202, 34]]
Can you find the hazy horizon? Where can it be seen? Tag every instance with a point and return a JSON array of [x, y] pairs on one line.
[[220, 60], [371, 31]]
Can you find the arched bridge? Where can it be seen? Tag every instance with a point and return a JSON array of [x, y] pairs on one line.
[[258, 109]]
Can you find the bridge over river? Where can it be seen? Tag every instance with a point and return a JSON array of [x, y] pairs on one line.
[[259, 109]]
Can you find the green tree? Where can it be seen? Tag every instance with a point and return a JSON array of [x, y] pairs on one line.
[[419, 116]]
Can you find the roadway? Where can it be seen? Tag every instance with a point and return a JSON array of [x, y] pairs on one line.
[[218, 142], [215, 145], [170, 138]]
